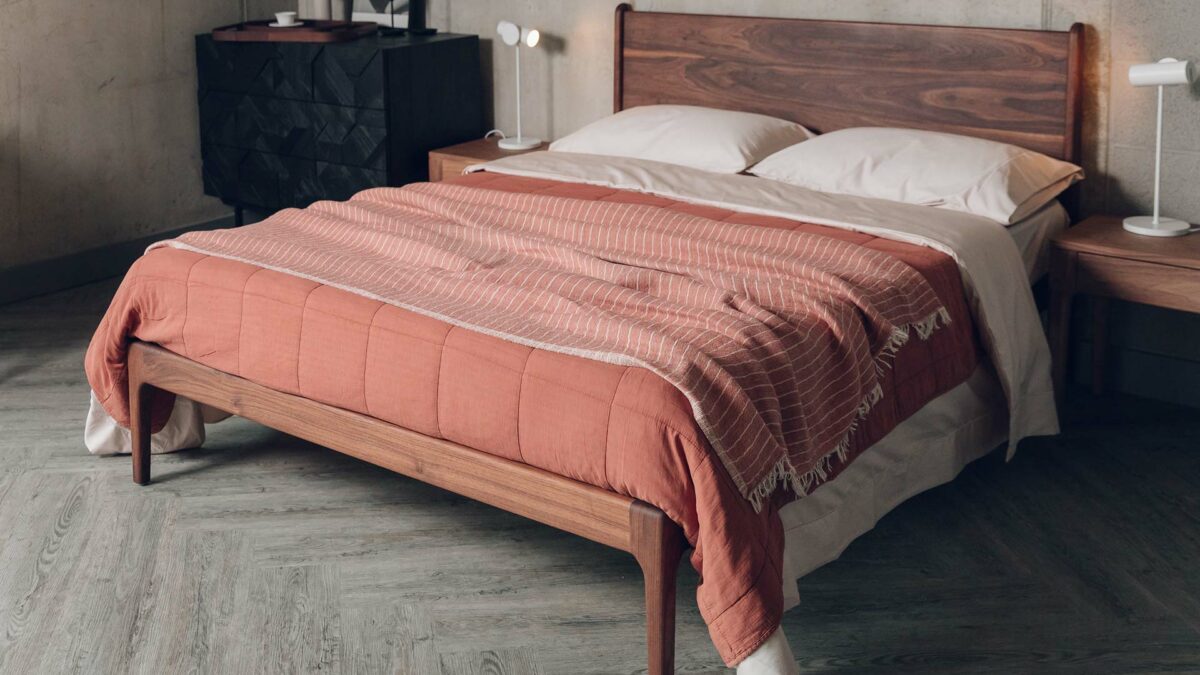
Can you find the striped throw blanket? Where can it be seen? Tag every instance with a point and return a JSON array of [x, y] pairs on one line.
[[776, 337]]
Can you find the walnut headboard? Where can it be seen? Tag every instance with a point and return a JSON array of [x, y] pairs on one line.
[[1017, 86]]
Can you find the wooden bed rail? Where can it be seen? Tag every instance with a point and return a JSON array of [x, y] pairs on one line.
[[588, 511]]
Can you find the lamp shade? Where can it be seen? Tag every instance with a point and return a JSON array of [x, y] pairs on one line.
[[512, 34], [1165, 72], [509, 32]]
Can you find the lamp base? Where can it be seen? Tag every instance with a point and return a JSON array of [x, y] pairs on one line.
[[1165, 227], [519, 143]]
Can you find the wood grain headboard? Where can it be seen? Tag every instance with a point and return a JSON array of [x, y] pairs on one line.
[[1017, 86]]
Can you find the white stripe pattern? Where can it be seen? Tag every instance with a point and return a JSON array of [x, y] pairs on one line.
[[775, 336]]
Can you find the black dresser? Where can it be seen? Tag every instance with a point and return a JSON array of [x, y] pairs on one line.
[[287, 124]]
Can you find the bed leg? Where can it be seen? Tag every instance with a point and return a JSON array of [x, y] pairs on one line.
[[657, 544], [139, 419]]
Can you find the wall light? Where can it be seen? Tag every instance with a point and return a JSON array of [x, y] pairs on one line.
[[1164, 73], [516, 36]]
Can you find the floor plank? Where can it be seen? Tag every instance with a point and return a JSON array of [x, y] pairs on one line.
[[387, 637], [518, 661], [102, 598], [189, 617]]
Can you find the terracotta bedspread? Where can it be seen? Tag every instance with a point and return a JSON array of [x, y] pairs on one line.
[[618, 427]]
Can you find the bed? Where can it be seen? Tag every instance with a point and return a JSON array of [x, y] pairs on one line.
[[597, 448]]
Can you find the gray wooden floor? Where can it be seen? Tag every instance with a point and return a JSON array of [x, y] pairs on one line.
[[261, 553]]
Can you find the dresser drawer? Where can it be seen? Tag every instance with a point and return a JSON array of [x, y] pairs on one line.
[[1137, 281], [350, 136], [340, 74], [257, 179], [271, 182], [349, 76], [316, 131], [276, 69]]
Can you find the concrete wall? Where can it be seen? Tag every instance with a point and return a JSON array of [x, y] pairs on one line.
[[98, 136]]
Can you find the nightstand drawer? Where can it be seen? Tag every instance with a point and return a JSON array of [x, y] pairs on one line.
[[1149, 283], [447, 163], [454, 166]]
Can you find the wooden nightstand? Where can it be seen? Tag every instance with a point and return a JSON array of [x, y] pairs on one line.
[[450, 162], [1099, 259]]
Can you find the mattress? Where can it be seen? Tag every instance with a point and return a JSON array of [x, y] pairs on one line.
[[616, 427]]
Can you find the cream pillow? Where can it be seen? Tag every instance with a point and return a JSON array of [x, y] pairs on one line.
[[721, 141], [994, 180]]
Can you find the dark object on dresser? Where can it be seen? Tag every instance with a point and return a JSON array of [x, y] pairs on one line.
[[287, 124], [416, 18]]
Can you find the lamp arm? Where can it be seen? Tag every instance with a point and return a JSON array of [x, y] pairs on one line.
[[519, 137], [1158, 134]]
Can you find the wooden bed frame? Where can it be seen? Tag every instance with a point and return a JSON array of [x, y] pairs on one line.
[[1017, 86]]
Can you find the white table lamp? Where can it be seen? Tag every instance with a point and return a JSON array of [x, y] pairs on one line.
[[1164, 73], [516, 36]]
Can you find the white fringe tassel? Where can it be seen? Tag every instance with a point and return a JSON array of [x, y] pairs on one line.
[[785, 473]]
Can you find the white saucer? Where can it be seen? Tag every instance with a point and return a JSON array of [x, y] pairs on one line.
[[276, 24]]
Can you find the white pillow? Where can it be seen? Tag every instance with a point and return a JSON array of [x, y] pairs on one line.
[[721, 141], [994, 180]]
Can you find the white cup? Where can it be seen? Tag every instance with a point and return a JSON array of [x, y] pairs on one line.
[[285, 18]]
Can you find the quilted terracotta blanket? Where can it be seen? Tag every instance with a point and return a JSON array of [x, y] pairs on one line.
[[776, 337]]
